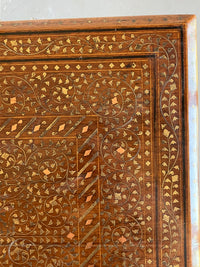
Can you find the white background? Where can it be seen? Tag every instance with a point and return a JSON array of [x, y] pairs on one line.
[[52, 9]]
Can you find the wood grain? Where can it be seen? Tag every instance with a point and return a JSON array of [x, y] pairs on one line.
[[98, 165]]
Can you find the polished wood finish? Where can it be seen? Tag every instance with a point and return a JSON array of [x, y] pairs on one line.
[[98, 142]]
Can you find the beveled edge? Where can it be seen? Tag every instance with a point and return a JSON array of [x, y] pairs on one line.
[[95, 23], [191, 144]]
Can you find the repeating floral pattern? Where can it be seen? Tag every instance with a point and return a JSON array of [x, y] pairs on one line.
[[119, 175]]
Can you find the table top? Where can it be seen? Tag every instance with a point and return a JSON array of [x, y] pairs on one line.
[[98, 142]]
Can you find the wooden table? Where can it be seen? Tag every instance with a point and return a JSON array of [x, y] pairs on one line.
[[98, 142]]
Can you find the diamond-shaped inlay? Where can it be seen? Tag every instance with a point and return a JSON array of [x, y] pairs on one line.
[[120, 150], [149, 218], [45, 67], [46, 171], [70, 235], [88, 222], [147, 153], [36, 128], [67, 66], [122, 239], [14, 127], [88, 199], [88, 175], [12, 100], [87, 152], [88, 245], [147, 133], [56, 67], [145, 66], [85, 129], [61, 127], [64, 91], [148, 184], [114, 100]]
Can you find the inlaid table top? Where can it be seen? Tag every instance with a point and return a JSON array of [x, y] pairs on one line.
[[98, 142]]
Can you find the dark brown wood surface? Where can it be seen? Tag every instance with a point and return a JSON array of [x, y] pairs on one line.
[[95, 147]]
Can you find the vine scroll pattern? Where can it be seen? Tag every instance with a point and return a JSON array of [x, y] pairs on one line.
[[117, 98]]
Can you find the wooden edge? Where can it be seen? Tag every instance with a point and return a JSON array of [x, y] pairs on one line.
[[188, 22], [95, 23], [191, 142]]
